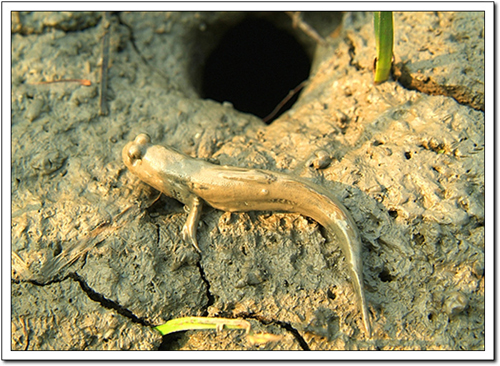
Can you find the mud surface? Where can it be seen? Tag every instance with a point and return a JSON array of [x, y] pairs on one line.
[[98, 258]]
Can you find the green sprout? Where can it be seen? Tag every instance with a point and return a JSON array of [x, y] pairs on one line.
[[384, 39], [197, 322]]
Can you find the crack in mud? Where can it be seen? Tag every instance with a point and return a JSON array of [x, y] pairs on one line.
[[426, 85], [352, 54], [26, 333], [157, 235], [295, 333], [170, 341], [210, 296], [94, 296], [284, 325], [108, 304]]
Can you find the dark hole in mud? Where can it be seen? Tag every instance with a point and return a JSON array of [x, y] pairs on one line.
[[331, 295], [385, 276], [254, 66], [419, 239], [57, 249]]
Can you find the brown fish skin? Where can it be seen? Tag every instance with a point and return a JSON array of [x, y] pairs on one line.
[[193, 181]]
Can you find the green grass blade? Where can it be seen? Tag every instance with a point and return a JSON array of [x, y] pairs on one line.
[[195, 322], [384, 39]]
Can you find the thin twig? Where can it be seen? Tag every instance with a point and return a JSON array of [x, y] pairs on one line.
[[280, 105], [306, 28], [136, 49], [103, 105], [83, 82]]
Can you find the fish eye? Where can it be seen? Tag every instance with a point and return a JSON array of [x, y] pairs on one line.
[[142, 139], [134, 152]]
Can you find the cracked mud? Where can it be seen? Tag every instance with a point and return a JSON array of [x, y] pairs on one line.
[[428, 86], [97, 256]]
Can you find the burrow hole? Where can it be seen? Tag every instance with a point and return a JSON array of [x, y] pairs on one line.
[[385, 276], [255, 64]]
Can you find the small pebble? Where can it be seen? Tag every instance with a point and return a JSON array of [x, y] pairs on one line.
[[455, 303], [47, 162], [34, 109], [478, 268], [321, 160]]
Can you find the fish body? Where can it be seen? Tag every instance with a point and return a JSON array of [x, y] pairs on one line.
[[233, 189]]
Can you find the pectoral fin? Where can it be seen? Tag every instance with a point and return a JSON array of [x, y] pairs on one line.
[[191, 224]]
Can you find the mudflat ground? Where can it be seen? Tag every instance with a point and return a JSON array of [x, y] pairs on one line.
[[98, 260]]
